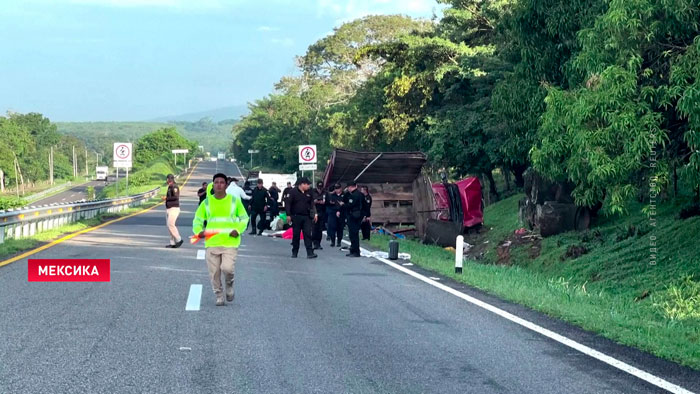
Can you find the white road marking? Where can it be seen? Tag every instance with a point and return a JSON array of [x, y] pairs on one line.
[[434, 278], [185, 349], [200, 254], [613, 362], [63, 199], [194, 299], [407, 264]]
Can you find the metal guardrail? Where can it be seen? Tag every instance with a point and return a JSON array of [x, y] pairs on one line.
[[39, 196], [28, 221]]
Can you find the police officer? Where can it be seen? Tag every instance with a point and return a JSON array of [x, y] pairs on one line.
[[301, 211], [353, 200], [285, 194], [319, 197], [366, 225], [258, 207], [335, 215]]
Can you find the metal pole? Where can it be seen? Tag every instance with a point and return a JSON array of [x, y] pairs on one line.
[[117, 183], [365, 169], [459, 254], [251, 160], [86, 163], [127, 181]]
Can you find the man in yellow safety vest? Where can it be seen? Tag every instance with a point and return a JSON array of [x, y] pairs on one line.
[[227, 219]]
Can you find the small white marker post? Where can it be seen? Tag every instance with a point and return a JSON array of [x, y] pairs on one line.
[[459, 254]]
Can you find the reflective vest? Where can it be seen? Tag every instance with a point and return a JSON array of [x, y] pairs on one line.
[[223, 215]]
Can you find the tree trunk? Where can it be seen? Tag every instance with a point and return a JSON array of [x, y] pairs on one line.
[[518, 171], [675, 181], [506, 176], [492, 185]]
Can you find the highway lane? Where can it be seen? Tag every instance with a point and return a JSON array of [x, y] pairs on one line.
[[75, 193], [331, 324]]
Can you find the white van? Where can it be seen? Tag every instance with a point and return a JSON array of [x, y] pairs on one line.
[[101, 173]]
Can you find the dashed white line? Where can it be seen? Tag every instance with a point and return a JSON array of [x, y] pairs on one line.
[[194, 299], [200, 254]]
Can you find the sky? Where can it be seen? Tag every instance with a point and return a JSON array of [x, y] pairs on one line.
[[133, 60]]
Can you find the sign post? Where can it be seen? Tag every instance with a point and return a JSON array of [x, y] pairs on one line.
[[184, 157], [308, 159], [252, 151], [122, 159]]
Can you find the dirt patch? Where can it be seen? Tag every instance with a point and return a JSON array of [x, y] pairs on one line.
[[519, 239]]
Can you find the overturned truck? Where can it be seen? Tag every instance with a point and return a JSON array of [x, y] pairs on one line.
[[391, 177]]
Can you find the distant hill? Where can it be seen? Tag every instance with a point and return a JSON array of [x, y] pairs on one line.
[[100, 136], [216, 115]]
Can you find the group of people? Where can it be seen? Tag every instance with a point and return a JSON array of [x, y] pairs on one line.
[[318, 210], [225, 210]]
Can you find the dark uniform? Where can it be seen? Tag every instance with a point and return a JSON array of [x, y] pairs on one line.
[[335, 222], [353, 205], [319, 197], [274, 202], [301, 208], [366, 225], [257, 208], [285, 195]]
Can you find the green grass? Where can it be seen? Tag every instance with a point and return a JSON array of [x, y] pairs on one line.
[[12, 247], [614, 289]]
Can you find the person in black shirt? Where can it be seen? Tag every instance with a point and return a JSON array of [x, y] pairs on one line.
[[202, 192], [366, 225], [258, 207], [319, 197], [172, 211], [335, 215], [274, 200], [285, 194], [301, 211], [353, 204]]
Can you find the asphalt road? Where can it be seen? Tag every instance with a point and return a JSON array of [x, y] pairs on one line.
[[327, 325], [75, 193]]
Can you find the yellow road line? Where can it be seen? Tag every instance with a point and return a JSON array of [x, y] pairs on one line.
[[83, 231]]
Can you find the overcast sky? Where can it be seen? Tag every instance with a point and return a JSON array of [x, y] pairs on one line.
[[87, 60]]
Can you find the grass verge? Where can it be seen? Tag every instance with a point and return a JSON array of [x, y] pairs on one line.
[[13, 247], [618, 287]]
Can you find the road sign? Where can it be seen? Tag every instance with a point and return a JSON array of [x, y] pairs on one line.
[[176, 151], [122, 154], [308, 167], [307, 154], [253, 151]]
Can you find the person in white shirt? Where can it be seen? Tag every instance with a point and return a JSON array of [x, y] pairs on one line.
[[235, 190]]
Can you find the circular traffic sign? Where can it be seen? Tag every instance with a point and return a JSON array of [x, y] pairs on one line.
[[308, 154], [122, 151]]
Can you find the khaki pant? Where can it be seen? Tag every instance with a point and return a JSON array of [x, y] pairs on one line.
[[221, 259], [171, 215]]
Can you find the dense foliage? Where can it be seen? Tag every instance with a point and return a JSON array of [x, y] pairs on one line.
[[29, 138], [604, 94]]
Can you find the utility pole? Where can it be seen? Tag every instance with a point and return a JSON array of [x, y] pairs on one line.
[[51, 166], [16, 177], [86, 163], [74, 172]]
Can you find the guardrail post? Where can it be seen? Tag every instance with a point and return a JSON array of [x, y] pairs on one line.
[[2, 234], [25, 230], [32, 229]]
